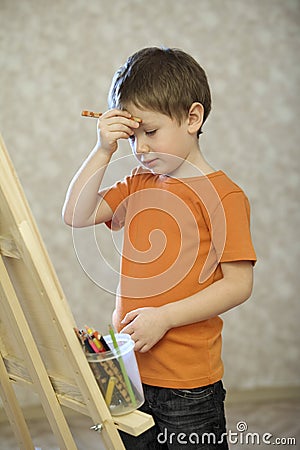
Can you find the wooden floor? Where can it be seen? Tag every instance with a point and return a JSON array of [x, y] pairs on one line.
[[281, 419]]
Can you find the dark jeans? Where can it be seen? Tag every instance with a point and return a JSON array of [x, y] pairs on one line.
[[190, 419]]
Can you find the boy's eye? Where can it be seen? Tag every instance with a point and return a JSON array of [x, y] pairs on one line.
[[150, 133]]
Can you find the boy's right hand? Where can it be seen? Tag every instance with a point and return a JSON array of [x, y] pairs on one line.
[[112, 126]]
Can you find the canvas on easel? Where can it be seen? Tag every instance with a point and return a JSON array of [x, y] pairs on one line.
[[44, 353]]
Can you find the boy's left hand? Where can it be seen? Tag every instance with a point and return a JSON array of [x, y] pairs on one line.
[[146, 327]]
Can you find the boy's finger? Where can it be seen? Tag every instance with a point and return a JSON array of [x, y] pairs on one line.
[[117, 113], [129, 317], [122, 113]]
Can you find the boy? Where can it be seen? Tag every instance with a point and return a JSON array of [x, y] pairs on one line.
[[187, 252]]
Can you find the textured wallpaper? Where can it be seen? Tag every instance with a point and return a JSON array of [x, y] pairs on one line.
[[58, 57]]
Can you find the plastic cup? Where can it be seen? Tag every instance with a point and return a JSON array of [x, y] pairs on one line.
[[118, 376]]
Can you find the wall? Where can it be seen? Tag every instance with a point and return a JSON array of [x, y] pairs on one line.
[[58, 57]]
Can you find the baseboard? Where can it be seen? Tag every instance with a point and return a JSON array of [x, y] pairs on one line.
[[263, 394], [255, 395]]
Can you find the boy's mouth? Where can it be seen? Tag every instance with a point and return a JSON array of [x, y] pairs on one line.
[[149, 162]]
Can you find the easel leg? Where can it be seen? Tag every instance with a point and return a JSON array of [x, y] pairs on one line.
[[13, 410], [35, 364]]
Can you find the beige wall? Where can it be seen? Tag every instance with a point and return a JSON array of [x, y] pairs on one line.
[[58, 58]]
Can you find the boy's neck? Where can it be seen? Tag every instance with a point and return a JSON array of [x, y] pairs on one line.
[[194, 166]]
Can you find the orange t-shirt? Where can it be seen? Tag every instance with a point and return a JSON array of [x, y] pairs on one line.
[[176, 234]]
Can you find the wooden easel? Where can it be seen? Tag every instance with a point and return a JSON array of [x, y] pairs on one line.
[[38, 347]]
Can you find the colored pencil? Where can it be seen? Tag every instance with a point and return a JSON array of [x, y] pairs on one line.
[[122, 366], [96, 115]]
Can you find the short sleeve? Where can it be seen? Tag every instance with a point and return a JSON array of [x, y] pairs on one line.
[[235, 242], [116, 197]]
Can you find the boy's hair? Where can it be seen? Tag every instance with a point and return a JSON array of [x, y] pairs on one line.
[[166, 80]]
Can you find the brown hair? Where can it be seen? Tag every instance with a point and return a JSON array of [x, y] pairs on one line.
[[166, 80]]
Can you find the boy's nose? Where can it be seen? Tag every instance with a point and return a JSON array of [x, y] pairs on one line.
[[142, 148]]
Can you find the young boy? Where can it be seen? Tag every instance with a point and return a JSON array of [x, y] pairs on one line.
[[187, 251]]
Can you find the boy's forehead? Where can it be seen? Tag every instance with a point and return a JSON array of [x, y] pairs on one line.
[[147, 115], [132, 108]]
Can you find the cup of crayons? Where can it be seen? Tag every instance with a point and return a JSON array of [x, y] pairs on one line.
[[112, 360]]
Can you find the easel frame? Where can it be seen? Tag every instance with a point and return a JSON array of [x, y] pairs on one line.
[[44, 353]]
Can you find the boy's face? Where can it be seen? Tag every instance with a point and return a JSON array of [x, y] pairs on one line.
[[160, 144]]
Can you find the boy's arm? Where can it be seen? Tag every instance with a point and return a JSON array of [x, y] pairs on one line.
[[148, 325], [83, 205]]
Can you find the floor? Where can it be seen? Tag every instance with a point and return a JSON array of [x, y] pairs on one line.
[[248, 426]]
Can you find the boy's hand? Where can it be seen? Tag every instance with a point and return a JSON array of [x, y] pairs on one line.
[[112, 126], [146, 327]]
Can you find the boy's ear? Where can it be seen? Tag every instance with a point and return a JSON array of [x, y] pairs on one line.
[[195, 117]]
